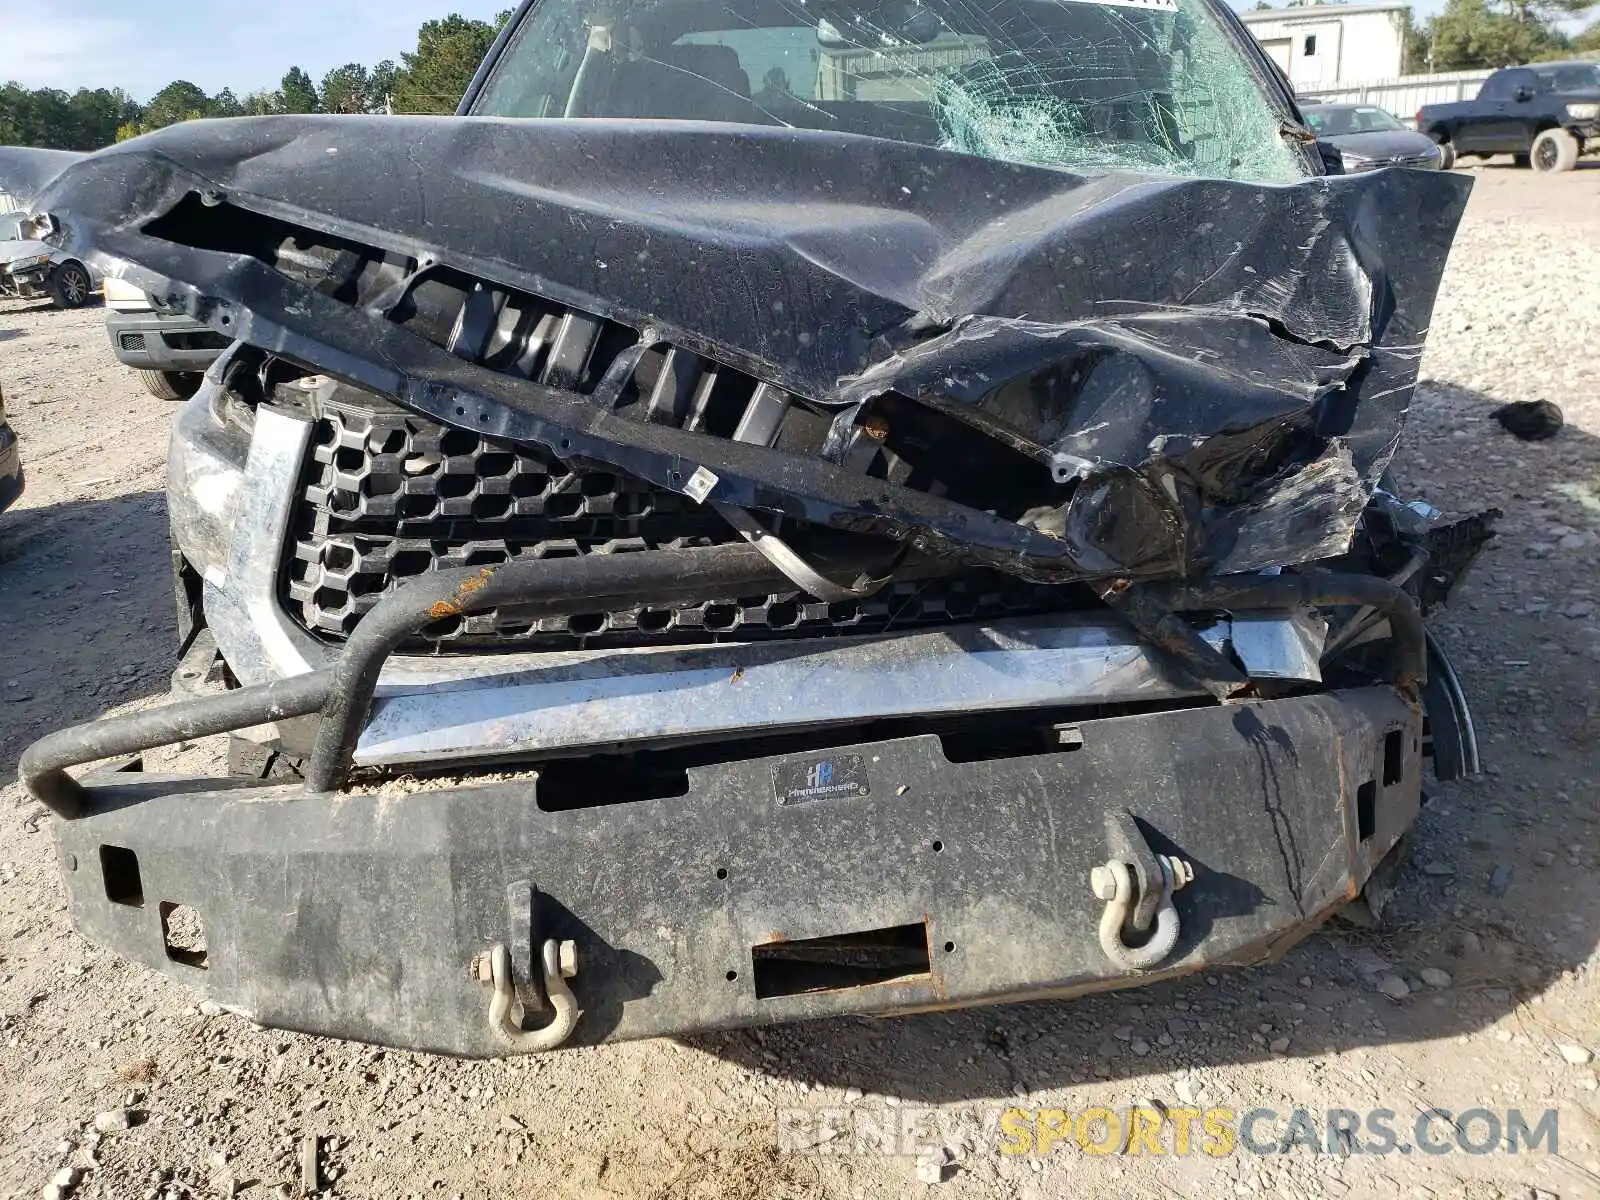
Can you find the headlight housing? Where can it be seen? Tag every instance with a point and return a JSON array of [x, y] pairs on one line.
[[1351, 159], [122, 294], [28, 264], [205, 472], [1583, 112]]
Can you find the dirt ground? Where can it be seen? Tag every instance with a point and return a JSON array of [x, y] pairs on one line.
[[1480, 992]]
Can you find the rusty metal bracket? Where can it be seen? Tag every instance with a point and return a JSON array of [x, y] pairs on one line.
[[523, 945]]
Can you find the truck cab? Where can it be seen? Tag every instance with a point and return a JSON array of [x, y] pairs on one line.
[[1546, 116]]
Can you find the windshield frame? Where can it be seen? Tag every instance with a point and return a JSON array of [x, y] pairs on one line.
[[1270, 82]]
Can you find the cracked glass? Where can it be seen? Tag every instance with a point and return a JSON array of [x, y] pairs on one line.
[[1086, 86]]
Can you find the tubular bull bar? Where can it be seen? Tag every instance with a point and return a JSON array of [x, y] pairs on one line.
[[343, 692], [879, 877]]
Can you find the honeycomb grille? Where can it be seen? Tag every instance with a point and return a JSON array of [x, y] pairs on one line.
[[388, 496]]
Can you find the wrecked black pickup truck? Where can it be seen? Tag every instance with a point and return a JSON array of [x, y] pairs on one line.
[[787, 509]]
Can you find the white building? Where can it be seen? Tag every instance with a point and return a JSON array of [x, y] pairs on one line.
[[1325, 44]]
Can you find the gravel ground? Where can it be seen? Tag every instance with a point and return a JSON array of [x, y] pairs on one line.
[[1479, 993]]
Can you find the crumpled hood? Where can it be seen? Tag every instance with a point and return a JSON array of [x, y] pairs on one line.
[[1210, 376]]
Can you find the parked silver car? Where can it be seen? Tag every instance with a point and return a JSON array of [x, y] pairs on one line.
[[31, 269]]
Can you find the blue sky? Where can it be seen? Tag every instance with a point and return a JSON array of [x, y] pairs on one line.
[[245, 46], [216, 44]]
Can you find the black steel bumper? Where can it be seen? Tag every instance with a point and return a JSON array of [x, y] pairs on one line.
[[152, 341], [880, 877], [358, 916]]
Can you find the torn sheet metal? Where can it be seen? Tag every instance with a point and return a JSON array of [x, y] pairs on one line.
[[1117, 376], [1281, 645]]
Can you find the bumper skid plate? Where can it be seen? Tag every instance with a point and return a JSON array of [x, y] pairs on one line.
[[749, 899]]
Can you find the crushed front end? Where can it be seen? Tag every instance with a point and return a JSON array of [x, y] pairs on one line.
[[792, 574], [28, 278]]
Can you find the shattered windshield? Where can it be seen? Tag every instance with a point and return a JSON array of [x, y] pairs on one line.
[[1082, 85]]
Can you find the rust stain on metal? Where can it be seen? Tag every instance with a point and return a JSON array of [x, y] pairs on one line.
[[920, 979], [455, 606], [476, 584], [876, 428], [935, 976]]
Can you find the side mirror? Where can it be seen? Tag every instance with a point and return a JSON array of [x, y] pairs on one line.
[[1522, 95], [1332, 160]]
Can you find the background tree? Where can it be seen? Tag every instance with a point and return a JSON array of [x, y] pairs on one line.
[[1544, 11], [1588, 42], [85, 120], [347, 89], [225, 104], [432, 80], [384, 78], [180, 100], [298, 92], [95, 116], [261, 104], [1415, 43], [1469, 34], [435, 76]]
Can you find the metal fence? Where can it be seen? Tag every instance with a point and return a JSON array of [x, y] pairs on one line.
[[1401, 95]]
